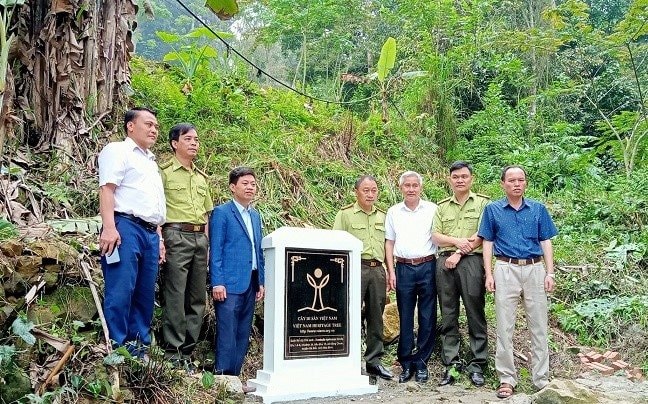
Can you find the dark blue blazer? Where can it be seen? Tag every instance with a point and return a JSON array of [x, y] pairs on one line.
[[230, 255]]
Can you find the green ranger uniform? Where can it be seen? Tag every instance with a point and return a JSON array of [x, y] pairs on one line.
[[188, 201], [370, 229], [466, 281]]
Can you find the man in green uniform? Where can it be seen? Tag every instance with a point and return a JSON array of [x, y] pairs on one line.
[[460, 274], [188, 201], [367, 222]]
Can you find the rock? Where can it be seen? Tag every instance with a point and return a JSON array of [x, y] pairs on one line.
[[54, 252], [16, 385], [51, 279], [11, 248], [233, 386], [5, 311], [391, 329], [15, 285], [564, 392], [413, 387], [28, 266], [71, 302]]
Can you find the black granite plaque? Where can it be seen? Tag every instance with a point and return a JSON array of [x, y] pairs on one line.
[[317, 304]]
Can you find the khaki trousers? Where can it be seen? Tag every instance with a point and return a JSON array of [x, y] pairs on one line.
[[511, 282]]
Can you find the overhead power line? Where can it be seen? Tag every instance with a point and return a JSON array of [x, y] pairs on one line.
[[259, 70]]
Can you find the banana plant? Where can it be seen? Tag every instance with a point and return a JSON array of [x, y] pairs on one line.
[[5, 45], [224, 9], [386, 81], [190, 52]]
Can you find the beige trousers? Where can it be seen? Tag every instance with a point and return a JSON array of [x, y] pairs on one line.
[[511, 282]]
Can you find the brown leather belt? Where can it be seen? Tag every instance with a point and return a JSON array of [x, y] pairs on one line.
[[371, 263], [186, 227], [415, 261], [519, 261]]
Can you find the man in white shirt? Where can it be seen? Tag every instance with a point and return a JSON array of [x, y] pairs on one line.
[[132, 207], [408, 241]]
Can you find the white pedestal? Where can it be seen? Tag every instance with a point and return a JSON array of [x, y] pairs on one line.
[[296, 365]]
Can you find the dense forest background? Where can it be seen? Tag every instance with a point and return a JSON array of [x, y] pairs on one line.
[[556, 86]]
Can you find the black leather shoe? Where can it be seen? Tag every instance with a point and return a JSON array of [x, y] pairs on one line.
[[422, 375], [380, 371], [405, 375], [477, 378], [447, 378]]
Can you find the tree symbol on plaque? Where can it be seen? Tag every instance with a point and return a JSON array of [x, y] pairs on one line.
[[317, 291]]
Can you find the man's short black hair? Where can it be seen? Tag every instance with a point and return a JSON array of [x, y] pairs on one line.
[[458, 165], [179, 130], [131, 114], [239, 172], [362, 178], [505, 169]]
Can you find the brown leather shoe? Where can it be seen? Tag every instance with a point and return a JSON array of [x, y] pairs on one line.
[[248, 389]]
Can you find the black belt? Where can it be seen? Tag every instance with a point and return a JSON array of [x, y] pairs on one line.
[[449, 253], [196, 228], [371, 263], [148, 226], [519, 261], [415, 261]]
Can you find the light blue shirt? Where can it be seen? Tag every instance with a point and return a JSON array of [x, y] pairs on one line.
[[247, 219]]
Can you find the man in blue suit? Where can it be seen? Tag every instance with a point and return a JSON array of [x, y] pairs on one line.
[[237, 270]]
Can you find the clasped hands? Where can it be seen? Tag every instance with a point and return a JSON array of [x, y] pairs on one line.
[[465, 246]]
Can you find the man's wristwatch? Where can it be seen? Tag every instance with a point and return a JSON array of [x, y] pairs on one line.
[[551, 275]]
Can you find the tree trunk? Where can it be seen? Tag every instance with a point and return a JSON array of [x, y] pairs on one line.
[[73, 69]]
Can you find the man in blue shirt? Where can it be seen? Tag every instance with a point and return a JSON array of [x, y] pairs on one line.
[[518, 232]]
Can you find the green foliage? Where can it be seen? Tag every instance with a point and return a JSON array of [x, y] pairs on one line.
[[387, 59], [7, 230], [596, 321], [190, 51], [207, 380], [22, 327], [224, 9], [307, 158], [7, 353]]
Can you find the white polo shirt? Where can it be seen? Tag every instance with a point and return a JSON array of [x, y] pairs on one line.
[[139, 189], [411, 230]]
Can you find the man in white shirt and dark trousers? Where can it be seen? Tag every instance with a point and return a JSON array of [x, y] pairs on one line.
[[132, 207], [408, 241]]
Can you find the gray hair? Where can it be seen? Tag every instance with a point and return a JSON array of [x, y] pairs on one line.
[[406, 174]]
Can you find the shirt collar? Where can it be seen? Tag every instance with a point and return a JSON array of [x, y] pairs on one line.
[[357, 208], [505, 203], [177, 165], [420, 205], [133, 146], [240, 207], [471, 195]]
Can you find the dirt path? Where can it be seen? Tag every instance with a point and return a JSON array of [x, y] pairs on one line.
[[605, 390]]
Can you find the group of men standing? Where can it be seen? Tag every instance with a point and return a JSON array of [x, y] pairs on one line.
[[154, 215], [423, 251], [444, 251]]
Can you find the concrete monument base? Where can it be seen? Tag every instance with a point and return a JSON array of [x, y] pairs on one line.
[[311, 344]]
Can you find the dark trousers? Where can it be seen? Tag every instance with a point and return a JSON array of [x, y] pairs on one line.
[[130, 286], [466, 281], [416, 286], [183, 288], [233, 326], [373, 290]]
